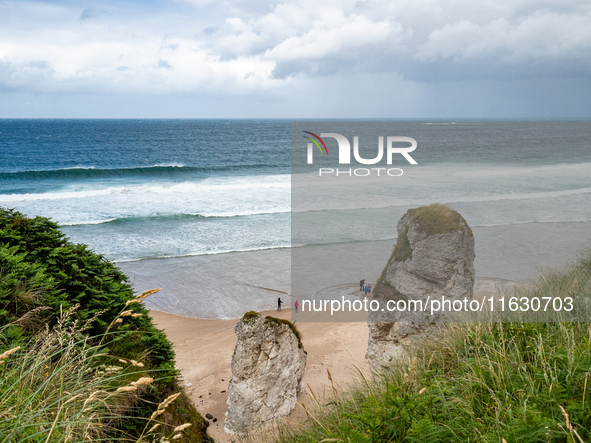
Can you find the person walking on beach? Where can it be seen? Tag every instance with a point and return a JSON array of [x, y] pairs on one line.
[[361, 284], [296, 304], [366, 290], [279, 304]]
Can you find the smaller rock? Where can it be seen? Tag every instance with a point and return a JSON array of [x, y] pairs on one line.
[[209, 416], [215, 419], [267, 370], [200, 396], [222, 392], [206, 423]]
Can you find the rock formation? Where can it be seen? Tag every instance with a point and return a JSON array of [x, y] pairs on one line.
[[267, 370], [433, 257]]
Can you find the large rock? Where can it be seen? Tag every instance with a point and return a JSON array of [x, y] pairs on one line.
[[433, 258], [267, 370]]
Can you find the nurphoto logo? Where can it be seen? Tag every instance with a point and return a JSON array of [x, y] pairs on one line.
[[345, 153]]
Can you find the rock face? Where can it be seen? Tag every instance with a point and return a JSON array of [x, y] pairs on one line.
[[433, 258], [267, 371]]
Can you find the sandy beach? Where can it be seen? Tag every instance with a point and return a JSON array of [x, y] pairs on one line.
[[204, 352]]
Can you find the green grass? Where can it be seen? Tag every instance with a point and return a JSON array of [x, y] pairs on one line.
[[251, 315], [281, 321], [61, 386], [437, 218], [478, 382]]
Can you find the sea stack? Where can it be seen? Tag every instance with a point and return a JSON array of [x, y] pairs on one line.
[[267, 370], [433, 258]]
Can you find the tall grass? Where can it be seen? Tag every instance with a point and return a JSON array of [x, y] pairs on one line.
[[64, 386], [477, 382]]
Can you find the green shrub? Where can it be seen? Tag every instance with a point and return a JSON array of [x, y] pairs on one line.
[[35, 251], [42, 273]]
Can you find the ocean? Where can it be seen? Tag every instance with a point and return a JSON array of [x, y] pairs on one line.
[[203, 208]]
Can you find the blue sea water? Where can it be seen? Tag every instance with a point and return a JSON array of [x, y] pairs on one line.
[[137, 189], [197, 192]]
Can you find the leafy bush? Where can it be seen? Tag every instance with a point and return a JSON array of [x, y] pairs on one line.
[[36, 257], [42, 273]]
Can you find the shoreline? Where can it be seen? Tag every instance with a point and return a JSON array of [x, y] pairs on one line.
[[272, 248], [225, 286]]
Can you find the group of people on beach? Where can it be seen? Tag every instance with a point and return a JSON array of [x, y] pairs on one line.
[[365, 288]]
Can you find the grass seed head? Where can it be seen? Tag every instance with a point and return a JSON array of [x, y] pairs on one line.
[[181, 428], [143, 381], [91, 396], [168, 400], [127, 389], [9, 352], [156, 413], [568, 425]]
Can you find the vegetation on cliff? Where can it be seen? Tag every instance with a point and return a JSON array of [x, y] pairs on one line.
[[438, 218], [251, 315], [83, 346]]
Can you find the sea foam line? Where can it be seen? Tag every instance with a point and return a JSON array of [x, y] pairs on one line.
[[330, 243], [197, 254], [179, 188], [94, 172], [451, 200], [174, 217]]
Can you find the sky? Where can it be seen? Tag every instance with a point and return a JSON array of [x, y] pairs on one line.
[[300, 59]]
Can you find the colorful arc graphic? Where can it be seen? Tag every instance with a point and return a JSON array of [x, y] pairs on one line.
[[315, 142]]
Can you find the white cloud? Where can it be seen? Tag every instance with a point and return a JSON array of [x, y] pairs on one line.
[[543, 36], [336, 37], [237, 47]]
